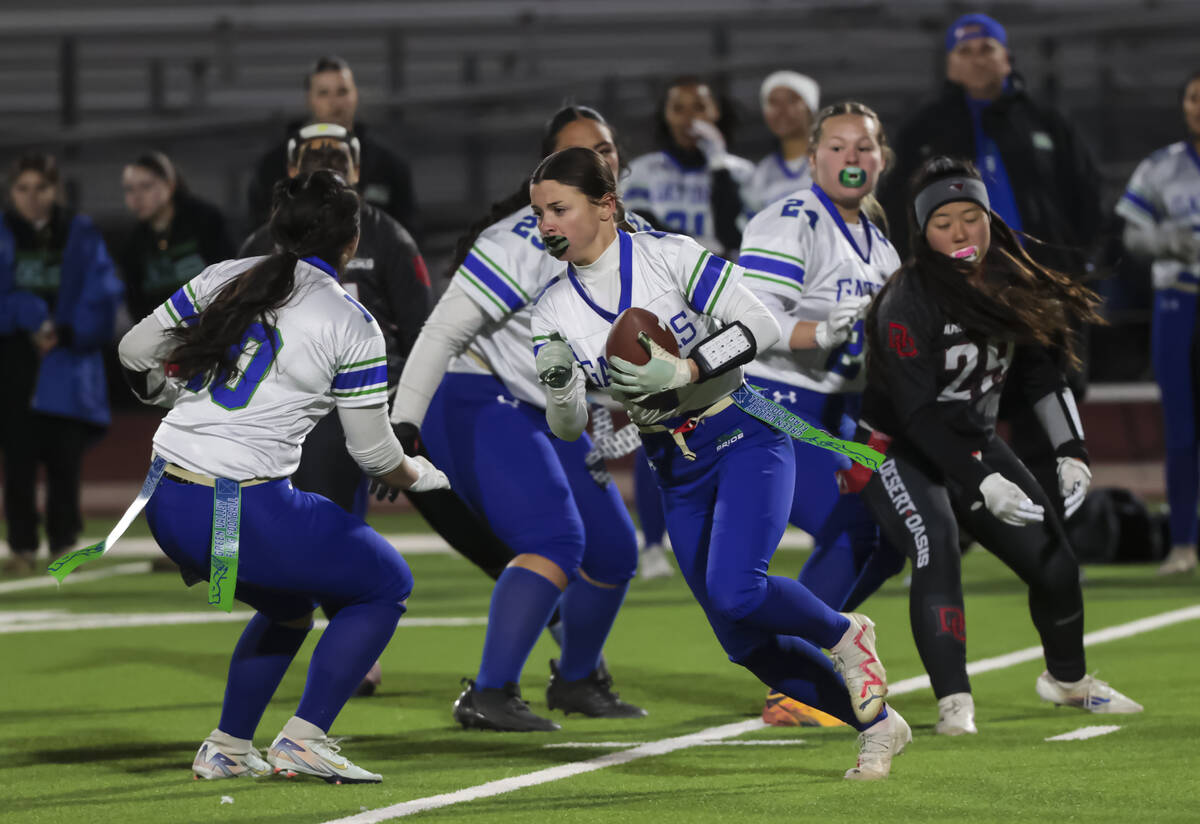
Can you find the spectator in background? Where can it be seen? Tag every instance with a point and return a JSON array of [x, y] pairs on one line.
[[691, 185], [790, 101], [1040, 179], [176, 235], [1161, 206], [385, 180], [58, 301]]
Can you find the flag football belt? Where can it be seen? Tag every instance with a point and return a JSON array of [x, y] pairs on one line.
[[689, 425], [226, 526]]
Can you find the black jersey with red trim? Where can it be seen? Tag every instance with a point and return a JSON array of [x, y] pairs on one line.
[[936, 391]]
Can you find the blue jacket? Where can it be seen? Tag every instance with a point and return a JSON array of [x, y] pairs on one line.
[[71, 381]]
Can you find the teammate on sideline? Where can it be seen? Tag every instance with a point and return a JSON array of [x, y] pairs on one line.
[[692, 185], [1161, 205], [942, 335], [470, 386], [790, 102], [248, 356], [814, 259], [726, 476]]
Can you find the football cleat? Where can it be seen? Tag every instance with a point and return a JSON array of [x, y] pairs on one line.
[[1180, 559], [220, 757], [782, 711], [956, 715], [316, 756], [501, 709], [653, 563], [855, 658], [1088, 693], [592, 696], [878, 744]]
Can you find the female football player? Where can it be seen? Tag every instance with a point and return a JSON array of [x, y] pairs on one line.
[[814, 258], [470, 386], [726, 476], [942, 335], [790, 102], [1161, 206], [248, 355], [692, 184]]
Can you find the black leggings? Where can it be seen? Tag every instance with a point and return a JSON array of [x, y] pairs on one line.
[[920, 516]]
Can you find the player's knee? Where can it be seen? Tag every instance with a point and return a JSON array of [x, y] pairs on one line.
[[613, 568], [733, 597]]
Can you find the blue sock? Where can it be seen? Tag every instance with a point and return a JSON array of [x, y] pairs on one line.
[[522, 603], [801, 671], [261, 657], [588, 614], [355, 638], [790, 609]]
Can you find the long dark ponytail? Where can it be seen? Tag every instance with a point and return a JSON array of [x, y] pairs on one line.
[[520, 198], [311, 215], [1010, 297]]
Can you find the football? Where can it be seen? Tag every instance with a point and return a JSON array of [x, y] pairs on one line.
[[622, 338]]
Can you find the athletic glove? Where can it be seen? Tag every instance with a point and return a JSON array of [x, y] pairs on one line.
[[711, 143], [662, 372], [409, 436], [429, 477], [1074, 478], [1008, 502], [555, 363], [835, 329], [1180, 240]]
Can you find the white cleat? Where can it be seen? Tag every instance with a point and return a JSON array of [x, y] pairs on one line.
[[653, 563], [855, 658], [878, 744], [222, 756], [319, 757], [956, 715], [1088, 693], [1179, 560]]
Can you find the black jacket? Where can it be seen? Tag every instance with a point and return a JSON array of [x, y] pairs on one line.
[[384, 180], [155, 264], [1053, 176], [387, 275]]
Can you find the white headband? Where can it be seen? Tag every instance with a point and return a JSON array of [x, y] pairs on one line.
[[801, 84]]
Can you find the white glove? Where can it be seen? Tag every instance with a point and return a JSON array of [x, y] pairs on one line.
[[429, 477], [1180, 240], [835, 329], [555, 364], [1074, 478], [662, 372], [1008, 502], [711, 142]]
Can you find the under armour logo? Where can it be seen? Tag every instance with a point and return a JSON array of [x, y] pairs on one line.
[[780, 397], [513, 402]]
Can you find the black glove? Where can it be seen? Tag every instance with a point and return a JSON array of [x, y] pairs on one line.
[[409, 435]]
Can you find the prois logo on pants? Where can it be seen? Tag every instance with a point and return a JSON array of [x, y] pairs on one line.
[[906, 509], [729, 439]]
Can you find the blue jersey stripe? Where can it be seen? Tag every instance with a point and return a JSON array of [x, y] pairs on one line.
[[772, 266], [183, 307], [492, 281], [707, 282], [360, 378], [1140, 202]]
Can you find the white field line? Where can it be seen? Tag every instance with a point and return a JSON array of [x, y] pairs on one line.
[[59, 620], [44, 580], [1084, 733], [712, 734]]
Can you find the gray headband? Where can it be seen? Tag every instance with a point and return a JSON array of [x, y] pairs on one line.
[[948, 190]]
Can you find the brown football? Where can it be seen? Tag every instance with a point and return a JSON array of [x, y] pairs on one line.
[[622, 338]]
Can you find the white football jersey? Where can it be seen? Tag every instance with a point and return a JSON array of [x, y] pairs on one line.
[[323, 349], [679, 197], [674, 277], [802, 257], [1166, 186], [775, 177], [504, 273]]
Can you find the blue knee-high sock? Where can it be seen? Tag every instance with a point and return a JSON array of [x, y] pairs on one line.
[[260, 659], [790, 609], [647, 499], [355, 638], [522, 603], [1183, 481], [588, 614], [801, 671]]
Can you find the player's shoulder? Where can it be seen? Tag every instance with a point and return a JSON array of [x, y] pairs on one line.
[[783, 212], [663, 245], [216, 275], [504, 226]]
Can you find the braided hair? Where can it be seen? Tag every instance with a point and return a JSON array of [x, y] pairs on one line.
[[313, 214]]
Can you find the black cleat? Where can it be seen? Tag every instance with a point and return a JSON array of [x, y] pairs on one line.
[[592, 696], [500, 709]]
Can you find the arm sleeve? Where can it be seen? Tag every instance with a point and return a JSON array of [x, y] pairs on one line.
[[370, 439], [743, 306], [454, 321], [781, 309], [566, 408], [142, 352], [1043, 385], [775, 247]]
